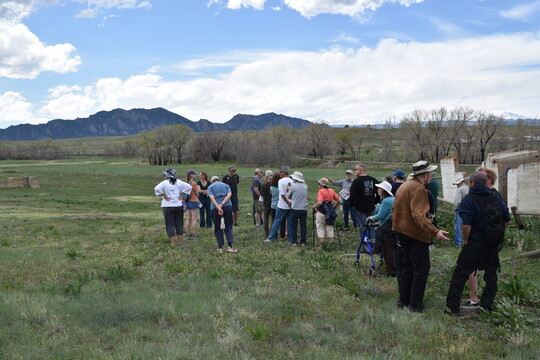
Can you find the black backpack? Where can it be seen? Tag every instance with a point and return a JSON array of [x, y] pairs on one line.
[[493, 220]]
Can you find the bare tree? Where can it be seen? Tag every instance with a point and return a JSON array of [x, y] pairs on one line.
[[415, 134], [320, 140], [487, 125]]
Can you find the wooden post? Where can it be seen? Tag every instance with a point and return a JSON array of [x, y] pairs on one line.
[[517, 218]]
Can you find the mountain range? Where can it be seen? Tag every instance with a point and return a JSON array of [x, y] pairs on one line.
[[120, 122]]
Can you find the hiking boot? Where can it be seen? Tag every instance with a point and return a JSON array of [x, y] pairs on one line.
[[400, 304], [417, 308], [451, 312]]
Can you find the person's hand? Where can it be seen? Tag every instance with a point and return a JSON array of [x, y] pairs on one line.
[[440, 235], [166, 197], [369, 218], [220, 212]]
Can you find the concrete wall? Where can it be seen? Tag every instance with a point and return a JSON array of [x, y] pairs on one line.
[[502, 162], [523, 188], [449, 172], [28, 182]]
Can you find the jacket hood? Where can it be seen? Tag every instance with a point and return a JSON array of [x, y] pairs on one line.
[[480, 190]]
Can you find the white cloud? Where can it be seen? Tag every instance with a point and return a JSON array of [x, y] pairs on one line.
[[16, 110], [95, 7], [310, 8], [522, 12], [24, 56], [362, 85]]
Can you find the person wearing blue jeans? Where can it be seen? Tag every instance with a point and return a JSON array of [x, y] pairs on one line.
[[363, 198], [345, 192], [220, 195], [461, 191], [298, 194], [283, 210]]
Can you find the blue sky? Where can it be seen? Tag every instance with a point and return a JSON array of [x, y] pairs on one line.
[[337, 61]]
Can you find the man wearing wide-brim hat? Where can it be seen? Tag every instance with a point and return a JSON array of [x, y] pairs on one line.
[[414, 227], [462, 190], [298, 194]]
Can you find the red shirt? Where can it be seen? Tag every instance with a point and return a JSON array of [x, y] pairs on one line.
[[326, 194]]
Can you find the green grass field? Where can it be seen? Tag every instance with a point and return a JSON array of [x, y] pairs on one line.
[[87, 273]]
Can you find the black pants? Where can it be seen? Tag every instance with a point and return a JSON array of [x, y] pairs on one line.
[[174, 220], [415, 268], [469, 260]]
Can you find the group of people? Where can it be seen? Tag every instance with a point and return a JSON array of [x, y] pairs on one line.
[[211, 201], [404, 209]]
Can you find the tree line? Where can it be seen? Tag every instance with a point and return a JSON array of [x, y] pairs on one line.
[[422, 134]]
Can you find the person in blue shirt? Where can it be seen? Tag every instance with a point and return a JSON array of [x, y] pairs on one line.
[[220, 196], [384, 212], [383, 239]]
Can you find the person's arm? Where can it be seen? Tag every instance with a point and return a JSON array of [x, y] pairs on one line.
[[158, 190], [284, 197], [466, 230], [383, 209], [419, 209], [256, 190], [201, 191]]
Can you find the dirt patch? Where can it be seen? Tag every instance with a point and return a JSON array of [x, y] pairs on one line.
[[91, 217]]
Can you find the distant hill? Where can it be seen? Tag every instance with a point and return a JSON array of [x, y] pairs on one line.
[[121, 122]]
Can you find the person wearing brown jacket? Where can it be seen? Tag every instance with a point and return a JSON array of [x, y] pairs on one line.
[[415, 230]]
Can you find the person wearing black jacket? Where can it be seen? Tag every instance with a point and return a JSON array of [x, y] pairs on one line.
[[363, 198], [481, 247]]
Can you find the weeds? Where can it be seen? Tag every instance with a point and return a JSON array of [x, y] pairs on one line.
[[518, 291], [117, 274], [508, 315]]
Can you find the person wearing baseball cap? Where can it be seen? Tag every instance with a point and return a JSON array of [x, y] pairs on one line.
[[415, 231], [399, 179], [345, 192]]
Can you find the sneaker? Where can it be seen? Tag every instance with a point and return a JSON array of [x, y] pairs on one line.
[[236, 224], [470, 303], [267, 240], [232, 250], [220, 250], [179, 245]]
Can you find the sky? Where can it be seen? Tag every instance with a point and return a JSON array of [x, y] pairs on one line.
[[334, 61]]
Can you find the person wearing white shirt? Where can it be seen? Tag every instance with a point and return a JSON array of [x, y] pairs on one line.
[[283, 211], [171, 189]]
